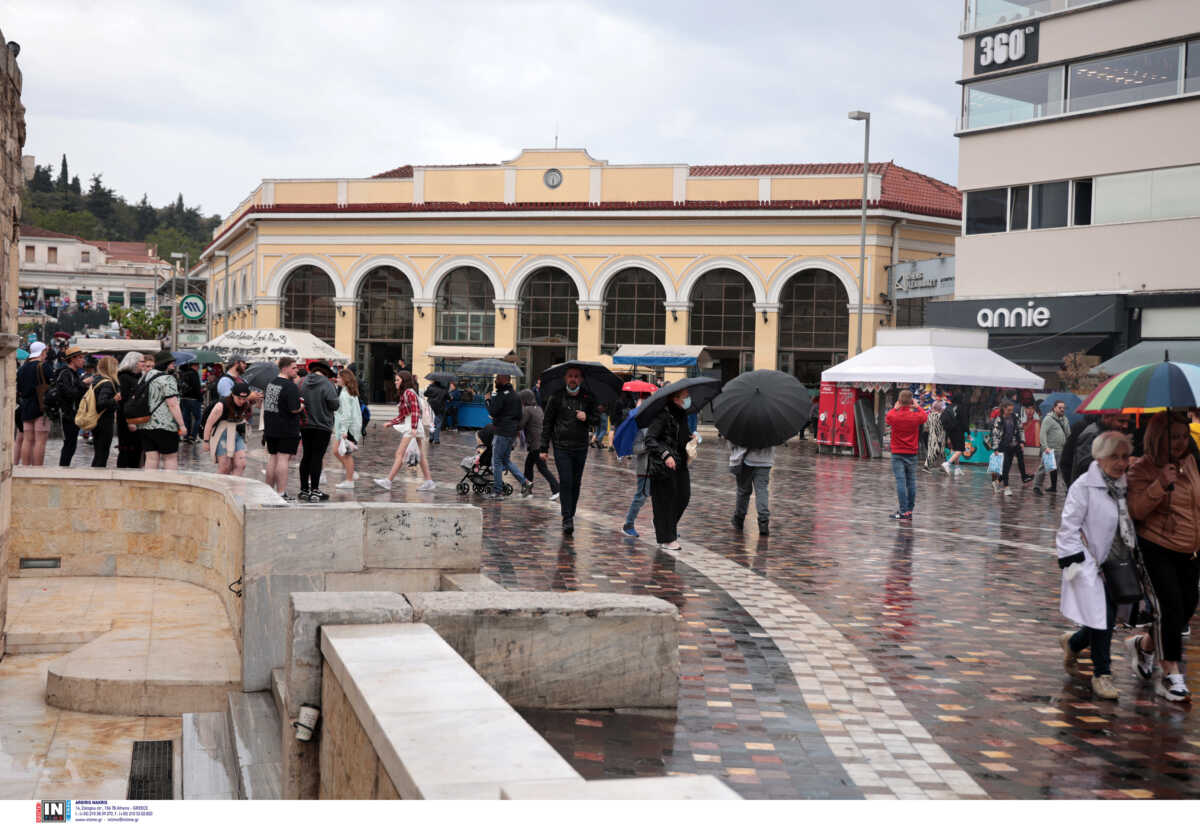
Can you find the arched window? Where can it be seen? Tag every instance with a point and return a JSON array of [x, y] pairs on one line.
[[549, 308], [308, 302], [813, 313], [466, 308], [723, 311], [246, 296], [385, 308], [633, 310]]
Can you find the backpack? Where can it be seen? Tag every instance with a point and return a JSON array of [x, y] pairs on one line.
[[426, 415], [137, 408], [88, 415], [366, 415], [47, 393]]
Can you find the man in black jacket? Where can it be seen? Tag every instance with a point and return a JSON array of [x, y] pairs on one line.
[[570, 417], [437, 395], [191, 397], [70, 392], [505, 408]]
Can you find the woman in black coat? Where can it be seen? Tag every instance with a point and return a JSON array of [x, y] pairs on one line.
[[670, 484], [129, 443], [106, 388]]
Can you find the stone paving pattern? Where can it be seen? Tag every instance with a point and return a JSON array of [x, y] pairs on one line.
[[844, 656]]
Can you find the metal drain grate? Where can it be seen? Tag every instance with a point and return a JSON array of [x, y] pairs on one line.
[[150, 771]]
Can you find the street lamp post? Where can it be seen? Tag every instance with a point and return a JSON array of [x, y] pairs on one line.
[[174, 302], [862, 234], [208, 294]]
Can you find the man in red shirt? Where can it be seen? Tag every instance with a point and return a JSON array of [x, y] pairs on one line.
[[905, 420]]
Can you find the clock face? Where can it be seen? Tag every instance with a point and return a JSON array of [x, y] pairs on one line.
[[553, 178]]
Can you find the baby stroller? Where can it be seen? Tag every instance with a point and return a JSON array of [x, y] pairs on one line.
[[478, 476]]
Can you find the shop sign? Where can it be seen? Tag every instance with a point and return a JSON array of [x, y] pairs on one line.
[[1016, 46], [1029, 317], [921, 279], [1078, 314]]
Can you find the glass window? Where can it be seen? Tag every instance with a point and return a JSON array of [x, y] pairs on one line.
[[1014, 98], [1083, 202], [385, 307], [52, 254], [1117, 198], [1176, 192], [1191, 74], [996, 12], [137, 299], [83, 296], [549, 307], [30, 253], [85, 256], [1049, 205], [1018, 208], [723, 311], [116, 298], [308, 303], [910, 312], [634, 311], [813, 313], [985, 211], [466, 308], [1124, 78]]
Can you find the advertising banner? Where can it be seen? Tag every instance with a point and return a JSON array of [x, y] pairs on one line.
[[843, 427], [826, 409]]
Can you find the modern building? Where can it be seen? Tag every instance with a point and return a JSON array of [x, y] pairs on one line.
[[57, 270], [1079, 163], [555, 254]]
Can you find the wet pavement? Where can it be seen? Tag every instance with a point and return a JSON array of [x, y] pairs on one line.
[[844, 656]]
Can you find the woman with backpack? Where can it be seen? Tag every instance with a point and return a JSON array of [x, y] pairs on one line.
[[107, 392], [129, 440]]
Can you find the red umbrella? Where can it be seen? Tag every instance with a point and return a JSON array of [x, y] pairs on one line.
[[639, 386]]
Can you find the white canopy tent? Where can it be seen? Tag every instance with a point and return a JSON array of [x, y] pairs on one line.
[[112, 346], [257, 345], [932, 355]]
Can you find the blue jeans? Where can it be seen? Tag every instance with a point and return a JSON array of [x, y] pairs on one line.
[[190, 407], [639, 498], [501, 460], [904, 467], [437, 428]]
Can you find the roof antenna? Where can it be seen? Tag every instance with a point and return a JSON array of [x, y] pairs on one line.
[[555, 134]]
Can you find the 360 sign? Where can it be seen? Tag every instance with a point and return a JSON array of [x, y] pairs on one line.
[[1001, 49], [192, 307]]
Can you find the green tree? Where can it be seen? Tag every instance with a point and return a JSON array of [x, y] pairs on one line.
[[142, 323], [101, 202], [145, 217], [169, 239], [64, 177], [80, 224], [43, 179]]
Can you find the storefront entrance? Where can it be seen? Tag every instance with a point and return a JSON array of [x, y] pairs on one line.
[[537, 358], [377, 369]]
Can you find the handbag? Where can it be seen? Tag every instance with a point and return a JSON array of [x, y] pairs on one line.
[[996, 463], [1121, 579], [1048, 461]]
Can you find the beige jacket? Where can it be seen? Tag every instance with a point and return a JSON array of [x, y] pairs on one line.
[[1169, 519]]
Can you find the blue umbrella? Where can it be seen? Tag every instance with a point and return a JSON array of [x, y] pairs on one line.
[[1071, 400], [702, 391], [183, 356]]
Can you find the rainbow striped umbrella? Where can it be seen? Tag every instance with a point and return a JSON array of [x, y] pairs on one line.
[[1149, 388]]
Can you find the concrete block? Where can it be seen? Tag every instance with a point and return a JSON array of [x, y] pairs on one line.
[[467, 582], [383, 580], [299, 763], [650, 788], [298, 540], [408, 536], [266, 614], [562, 650], [309, 611]]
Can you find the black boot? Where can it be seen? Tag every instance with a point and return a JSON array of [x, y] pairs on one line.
[[739, 523], [763, 528]]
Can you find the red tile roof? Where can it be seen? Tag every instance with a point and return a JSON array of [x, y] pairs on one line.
[[399, 171], [132, 251], [38, 231], [765, 169]]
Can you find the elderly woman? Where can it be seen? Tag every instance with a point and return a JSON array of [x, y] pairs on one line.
[[667, 437], [1095, 522], [129, 440], [1164, 497]]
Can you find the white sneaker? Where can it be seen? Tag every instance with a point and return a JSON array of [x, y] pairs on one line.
[[357, 477], [1142, 663], [1172, 688], [995, 486], [957, 471], [1007, 492], [384, 482], [946, 467], [427, 486], [554, 497], [345, 485]]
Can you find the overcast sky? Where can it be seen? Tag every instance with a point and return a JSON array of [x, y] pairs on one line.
[[209, 98]]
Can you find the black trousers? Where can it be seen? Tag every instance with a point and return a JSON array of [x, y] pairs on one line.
[[102, 437], [129, 447], [669, 496], [70, 438], [1174, 577], [316, 442], [534, 458], [1011, 452], [1100, 640], [570, 463]]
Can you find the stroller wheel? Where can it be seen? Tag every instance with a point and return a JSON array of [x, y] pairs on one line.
[[463, 488], [480, 489], [508, 490]]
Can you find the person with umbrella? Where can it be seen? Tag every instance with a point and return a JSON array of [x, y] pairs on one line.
[[570, 415], [667, 437]]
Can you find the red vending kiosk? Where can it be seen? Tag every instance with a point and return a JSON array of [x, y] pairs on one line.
[[826, 410], [843, 427]]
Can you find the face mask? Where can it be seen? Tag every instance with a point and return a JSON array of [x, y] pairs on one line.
[[687, 403], [574, 391]]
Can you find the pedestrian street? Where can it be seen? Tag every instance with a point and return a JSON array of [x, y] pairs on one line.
[[845, 656]]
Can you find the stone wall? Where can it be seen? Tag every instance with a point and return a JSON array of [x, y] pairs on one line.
[[351, 769], [12, 141]]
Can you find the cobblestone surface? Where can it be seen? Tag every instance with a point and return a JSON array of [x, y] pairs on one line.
[[845, 655]]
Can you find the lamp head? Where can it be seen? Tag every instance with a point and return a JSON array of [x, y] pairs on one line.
[[857, 115]]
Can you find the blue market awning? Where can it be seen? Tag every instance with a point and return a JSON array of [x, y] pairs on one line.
[[643, 355]]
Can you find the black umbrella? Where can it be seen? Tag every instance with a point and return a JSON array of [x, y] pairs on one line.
[[444, 378], [762, 408], [598, 378], [259, 375], [490, 366], [701, 391]]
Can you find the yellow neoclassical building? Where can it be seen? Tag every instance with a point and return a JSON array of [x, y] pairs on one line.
[[555, 254]]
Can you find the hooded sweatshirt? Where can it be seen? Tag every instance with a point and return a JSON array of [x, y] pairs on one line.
[[320, 401]]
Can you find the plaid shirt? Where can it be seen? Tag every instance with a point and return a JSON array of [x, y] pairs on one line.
[[410, 407]]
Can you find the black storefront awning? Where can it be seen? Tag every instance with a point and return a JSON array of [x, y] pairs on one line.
[[1048, 350]]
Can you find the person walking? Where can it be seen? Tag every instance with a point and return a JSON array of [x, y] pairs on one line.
[[752, 468], [224, 431], [347, 426], [1164, 499], [161, 434], [191, 400], [935, 450], [281, 424], [33, 381], [437, 396], [408, 423], [532, 418], [70, 388], [1096, 520], [129, 439], [667, 437], [955, 429], [505, 408], [1008, 437], [905, 419], [641, 464], [1052, 438], [320, 400], [570, 415], [107, 391]]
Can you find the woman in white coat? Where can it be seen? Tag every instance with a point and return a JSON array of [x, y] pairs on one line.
[[347, 425], [1094, 519]]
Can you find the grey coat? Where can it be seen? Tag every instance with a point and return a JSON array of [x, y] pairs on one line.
[[531, 425], [320, 398]]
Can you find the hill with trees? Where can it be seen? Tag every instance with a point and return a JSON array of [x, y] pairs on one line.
[[59, 203]]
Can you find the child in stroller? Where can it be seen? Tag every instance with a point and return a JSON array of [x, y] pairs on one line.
[[478, 466]]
